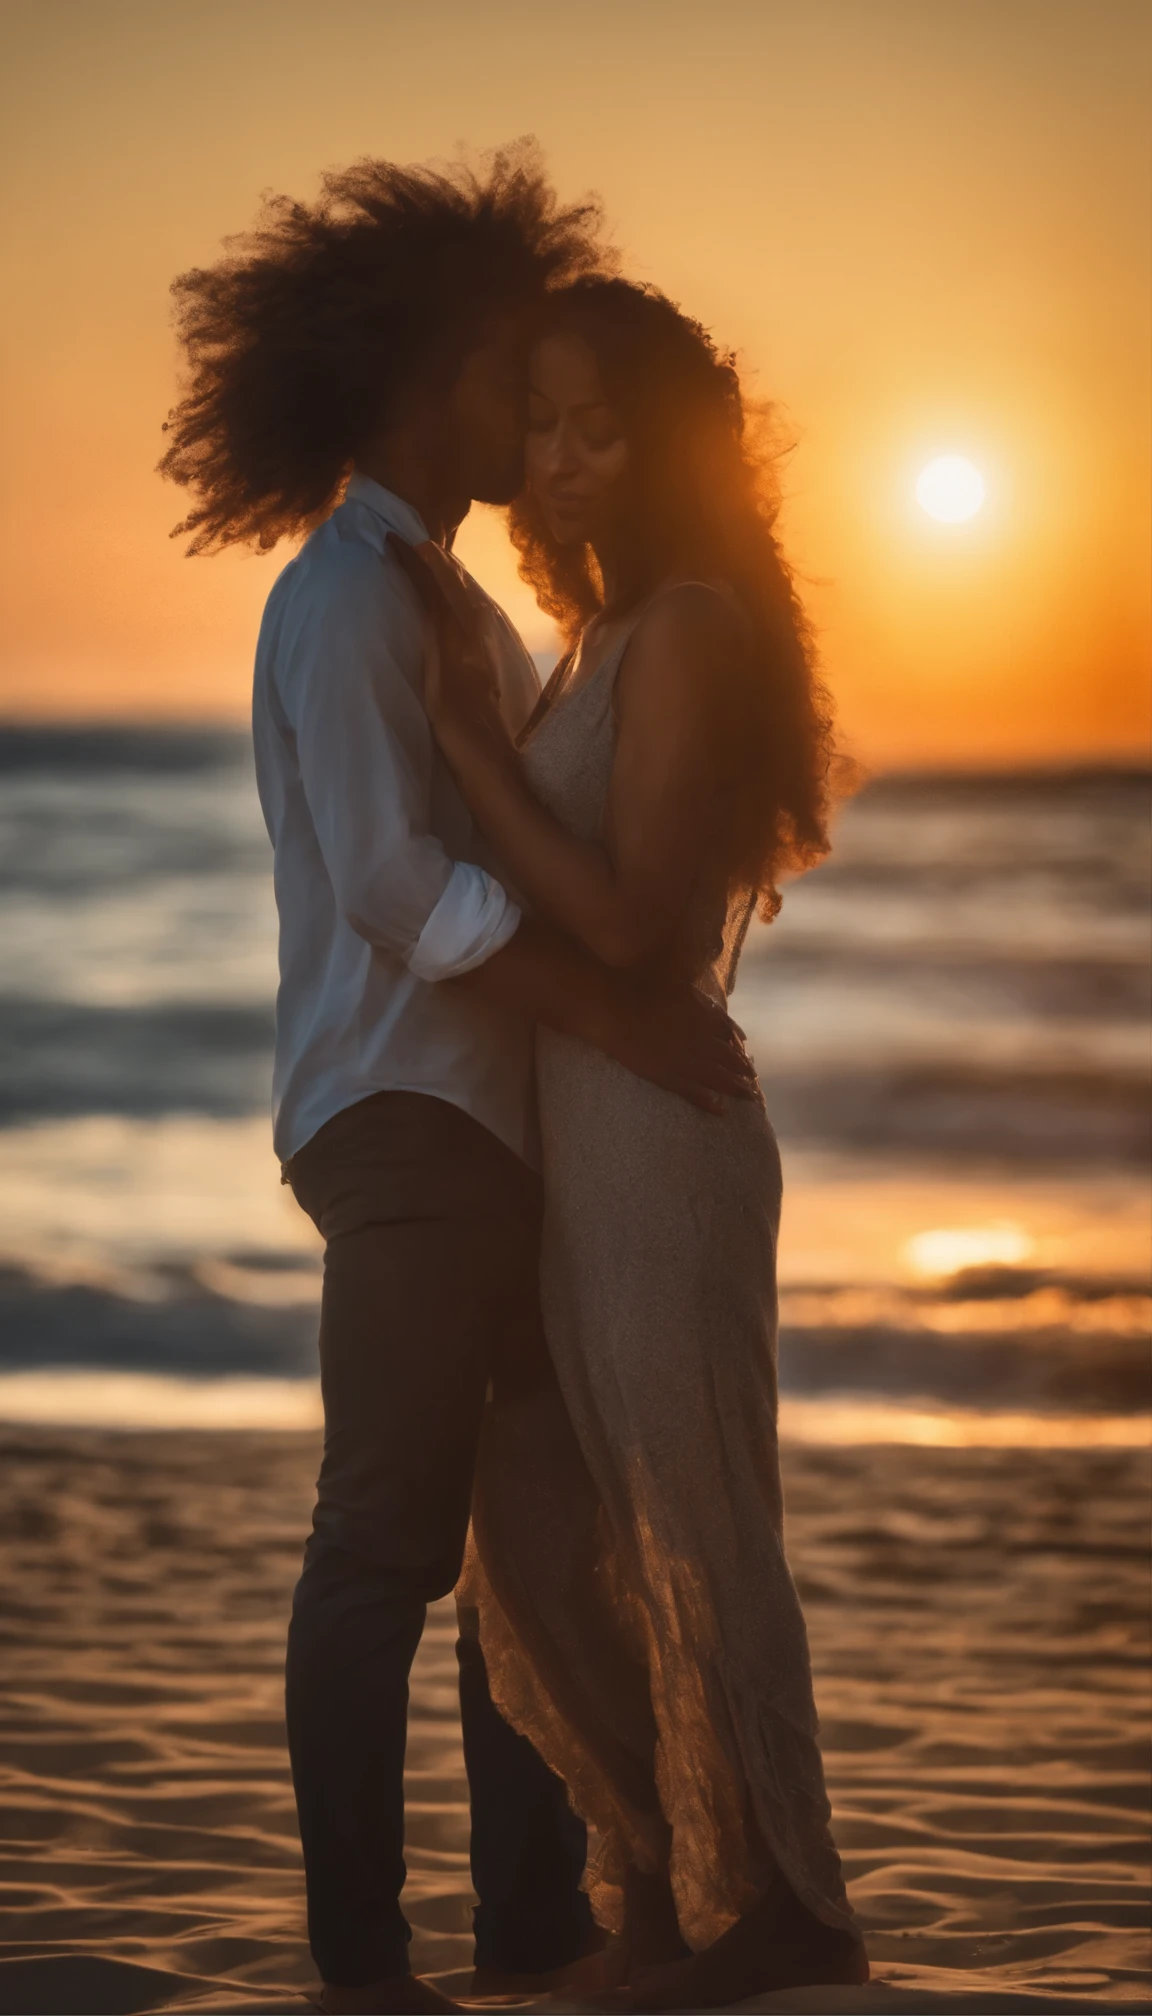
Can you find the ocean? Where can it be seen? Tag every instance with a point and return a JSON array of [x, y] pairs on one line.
[[951, 1020]]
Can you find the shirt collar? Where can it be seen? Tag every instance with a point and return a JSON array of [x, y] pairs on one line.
[[397, 515]]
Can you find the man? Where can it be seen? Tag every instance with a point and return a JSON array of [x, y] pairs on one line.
[[382, 330]]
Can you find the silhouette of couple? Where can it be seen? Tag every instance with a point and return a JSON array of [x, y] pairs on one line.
[[507, 1090]]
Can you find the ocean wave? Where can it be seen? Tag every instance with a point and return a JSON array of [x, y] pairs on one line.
[[101, 834], [1000, 1336], [62, 1058], [1037, 1371], [979, 1114], [1057, 986], [1057, 1344], [173, 1323]]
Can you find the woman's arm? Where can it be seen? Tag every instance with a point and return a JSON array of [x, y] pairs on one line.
[[623, 898]]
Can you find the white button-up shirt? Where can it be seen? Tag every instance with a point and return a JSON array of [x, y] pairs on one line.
[[380, 878]]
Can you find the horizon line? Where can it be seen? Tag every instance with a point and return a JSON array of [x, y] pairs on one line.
[[1132, 761]]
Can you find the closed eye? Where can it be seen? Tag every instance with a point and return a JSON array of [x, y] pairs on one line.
[[541, 413], [601, 429]]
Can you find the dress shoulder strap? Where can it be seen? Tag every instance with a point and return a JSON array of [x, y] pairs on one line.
[[606, 673]]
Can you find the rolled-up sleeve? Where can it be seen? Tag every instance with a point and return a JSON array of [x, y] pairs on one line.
[[473, 919], [350, 680]]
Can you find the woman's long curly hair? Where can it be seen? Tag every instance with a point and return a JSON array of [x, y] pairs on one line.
[[701, 497], [302, 339]]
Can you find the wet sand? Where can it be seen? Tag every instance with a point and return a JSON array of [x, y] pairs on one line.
[[979, 1631]]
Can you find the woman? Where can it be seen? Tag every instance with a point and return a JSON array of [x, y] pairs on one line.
[[636, 1607]]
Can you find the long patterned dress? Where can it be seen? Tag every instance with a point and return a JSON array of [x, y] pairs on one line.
[[636, 1609]]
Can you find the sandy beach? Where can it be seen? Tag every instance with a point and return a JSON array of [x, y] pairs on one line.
[[979, 1634]]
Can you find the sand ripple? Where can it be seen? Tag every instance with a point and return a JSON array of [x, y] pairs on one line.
[[978, 1624]]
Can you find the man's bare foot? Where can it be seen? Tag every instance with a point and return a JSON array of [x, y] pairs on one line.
[[774, 1945], [401, 1995]]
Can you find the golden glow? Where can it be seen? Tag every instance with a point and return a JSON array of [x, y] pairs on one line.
[[948, 1248], [950, 488], [156, 1400], [853, 1422]]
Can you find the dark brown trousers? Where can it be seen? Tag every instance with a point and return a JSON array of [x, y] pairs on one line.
[[431, 1229]]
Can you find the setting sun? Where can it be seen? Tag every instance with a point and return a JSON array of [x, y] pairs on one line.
[[951, 488]]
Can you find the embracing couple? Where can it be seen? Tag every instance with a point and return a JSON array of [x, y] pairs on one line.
[[506, 1087]]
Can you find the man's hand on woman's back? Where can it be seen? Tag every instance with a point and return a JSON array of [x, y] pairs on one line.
[[672, 1035], [678, 1038]]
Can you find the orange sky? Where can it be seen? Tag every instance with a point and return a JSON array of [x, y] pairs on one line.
[[924, 223]]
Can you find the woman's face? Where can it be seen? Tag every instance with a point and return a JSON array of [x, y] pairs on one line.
[[577, 450]]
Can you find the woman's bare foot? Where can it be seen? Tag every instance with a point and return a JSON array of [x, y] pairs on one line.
[[402, 1995], [778, 1944]]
